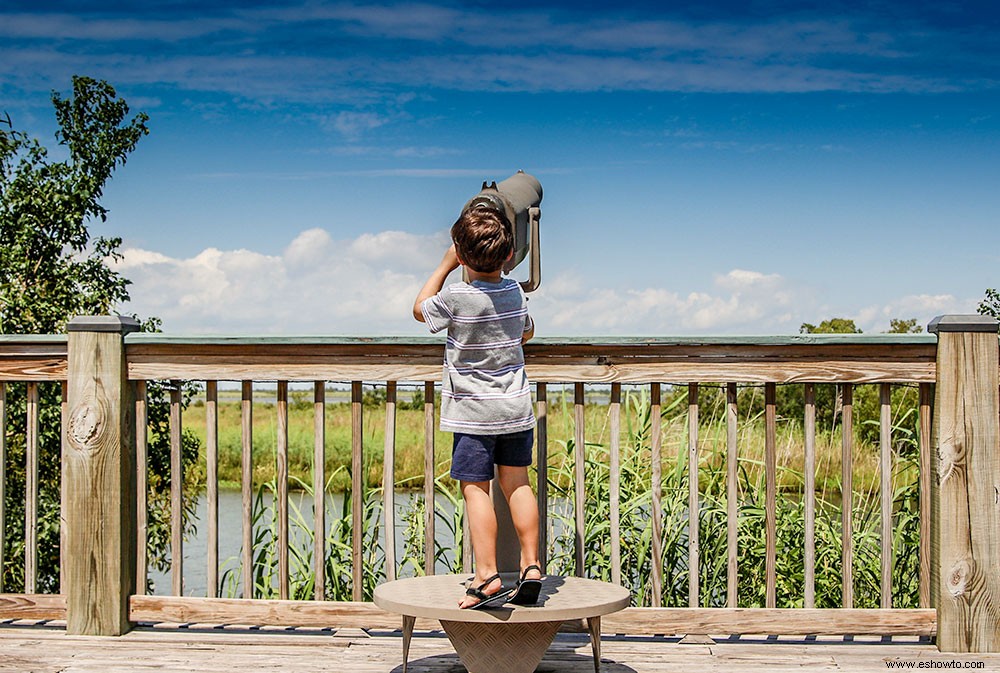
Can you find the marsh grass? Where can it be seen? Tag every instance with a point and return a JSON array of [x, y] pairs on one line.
[[636, 524], [339, 582], [410, 439], [635, 494]]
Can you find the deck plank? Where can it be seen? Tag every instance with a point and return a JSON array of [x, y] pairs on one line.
[[206, 650]]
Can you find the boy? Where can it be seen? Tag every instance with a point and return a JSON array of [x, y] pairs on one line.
[[486, 398]]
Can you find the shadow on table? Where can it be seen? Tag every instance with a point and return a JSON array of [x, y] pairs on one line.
[[554, 662], [550, 587]]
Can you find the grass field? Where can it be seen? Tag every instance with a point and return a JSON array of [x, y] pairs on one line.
[[410, 440], [634, 494]]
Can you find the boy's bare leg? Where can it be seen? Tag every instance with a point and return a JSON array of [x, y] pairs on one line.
[[523, 513], [483, 530]]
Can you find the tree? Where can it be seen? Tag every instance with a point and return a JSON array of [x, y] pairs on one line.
[[831, 326], [908, 326], [866, 400], [52, 269], [990, 305]]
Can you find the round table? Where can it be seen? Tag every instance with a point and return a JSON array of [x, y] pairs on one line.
[[508, 639]]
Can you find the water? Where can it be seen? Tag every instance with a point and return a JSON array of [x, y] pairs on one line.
[[231, 535]]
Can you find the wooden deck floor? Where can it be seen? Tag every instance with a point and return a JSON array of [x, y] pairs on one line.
[[47, 649]]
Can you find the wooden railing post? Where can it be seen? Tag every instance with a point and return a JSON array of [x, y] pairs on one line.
[[965, 497], [99, 476]]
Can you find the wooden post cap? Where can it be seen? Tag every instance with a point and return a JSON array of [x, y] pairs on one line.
[[963, 323], [103, 323]]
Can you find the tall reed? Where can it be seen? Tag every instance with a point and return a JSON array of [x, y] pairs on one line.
[[635, 518], [338, 585], [636, 521]]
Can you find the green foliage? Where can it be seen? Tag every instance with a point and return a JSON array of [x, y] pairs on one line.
[[51, 270], [636, 523], [908, 326], [447, 519], [831, 326], [990, 305], [338, 543], [50, 267], [49, 456], [158, 467], [866, 400], [847, 326], [416, 401], [635, 517], [374, 398]]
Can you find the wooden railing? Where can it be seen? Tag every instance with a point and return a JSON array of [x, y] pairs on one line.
[[104, 374]]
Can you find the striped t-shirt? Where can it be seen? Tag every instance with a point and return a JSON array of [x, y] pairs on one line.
[[485, 390]]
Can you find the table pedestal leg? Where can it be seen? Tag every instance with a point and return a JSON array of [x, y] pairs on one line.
[[594, 626], [407, 635], [500, 648]]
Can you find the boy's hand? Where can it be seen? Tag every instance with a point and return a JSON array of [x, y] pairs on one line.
[[450, 259]]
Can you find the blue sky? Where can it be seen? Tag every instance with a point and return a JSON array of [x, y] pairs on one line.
[[712, 168]]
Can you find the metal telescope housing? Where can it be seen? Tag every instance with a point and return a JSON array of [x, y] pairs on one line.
[[518, 197]]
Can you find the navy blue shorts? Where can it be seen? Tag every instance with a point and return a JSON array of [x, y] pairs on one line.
[[473, 456]]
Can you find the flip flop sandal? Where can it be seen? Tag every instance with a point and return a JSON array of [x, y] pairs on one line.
[[488, 600], [527, 590]]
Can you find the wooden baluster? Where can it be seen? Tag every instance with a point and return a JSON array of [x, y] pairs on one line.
[[694, 506], [579, 483], [885, 490], [467, 546], [141, 488], [615, 482], [3, 478], [389, 482], [732, 492], [467, 555], [31, 493], [656, 495], [542, 444], [246, 477], [282, 494], [771, 489], [357, 493], [429, 477], [810, 496], [926, 472], [847, 493], [212, 486], [176, 493], [63, 443], [319, 489]]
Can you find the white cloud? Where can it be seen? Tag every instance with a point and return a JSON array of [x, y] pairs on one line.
[[311, 247], [316, 285], [740, 278], [366, 286], [353, 125], [140, 258], [740, 301], [923, 307]]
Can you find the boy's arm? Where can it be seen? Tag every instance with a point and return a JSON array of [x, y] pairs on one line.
[[436, 281]]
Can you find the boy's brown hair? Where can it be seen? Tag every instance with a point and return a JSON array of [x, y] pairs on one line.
[[484, 239]]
